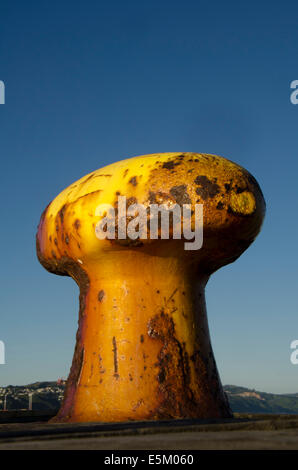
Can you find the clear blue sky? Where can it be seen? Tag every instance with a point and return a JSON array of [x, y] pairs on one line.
[[89, 83]]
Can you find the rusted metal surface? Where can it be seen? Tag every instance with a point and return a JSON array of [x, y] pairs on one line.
[[143, 349]]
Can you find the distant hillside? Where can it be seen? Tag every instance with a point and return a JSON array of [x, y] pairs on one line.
[[245, 400], [46, 396], [49, 395]]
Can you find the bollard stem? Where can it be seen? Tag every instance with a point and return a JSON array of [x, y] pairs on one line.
[[143, 348]]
